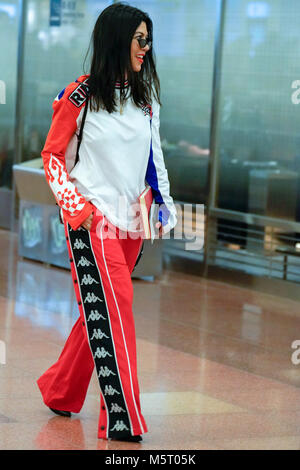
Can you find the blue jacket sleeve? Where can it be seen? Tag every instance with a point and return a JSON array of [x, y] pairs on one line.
[[157, 175]]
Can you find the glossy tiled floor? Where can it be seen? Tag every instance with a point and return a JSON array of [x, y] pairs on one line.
[[214, 362]]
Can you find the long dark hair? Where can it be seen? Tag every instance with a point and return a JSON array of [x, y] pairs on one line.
[[111, 58]]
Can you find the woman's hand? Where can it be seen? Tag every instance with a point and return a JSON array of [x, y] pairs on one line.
[[88, 222]]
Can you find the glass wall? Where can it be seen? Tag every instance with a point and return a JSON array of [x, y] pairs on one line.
[[54, 54], [9, 27], [54, 51], [254, 155], [184, 34], [258, 122], [183, 42], [258, 157]]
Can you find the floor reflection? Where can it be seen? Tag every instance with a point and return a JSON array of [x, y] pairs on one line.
[[45, 296], [214, 362]]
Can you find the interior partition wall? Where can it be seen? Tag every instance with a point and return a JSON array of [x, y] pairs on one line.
[[53, 52], [10, 16], [229, 120], [253, 210], [184, 43]]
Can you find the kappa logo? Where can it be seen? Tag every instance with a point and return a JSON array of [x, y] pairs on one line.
[[79, 95], [120, 426], [109, 390], [84, 262], [91, 298], [105, 372], [79, 245], [95, 315], [98, 334], [115, 408], [88, 279], [101, 353]]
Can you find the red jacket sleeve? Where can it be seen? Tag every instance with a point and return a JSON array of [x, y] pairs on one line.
[[75, 208]]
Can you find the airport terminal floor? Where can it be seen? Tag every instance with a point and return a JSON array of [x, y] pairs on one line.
[[214, 362]]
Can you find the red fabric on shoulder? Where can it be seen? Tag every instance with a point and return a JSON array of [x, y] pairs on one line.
[[66, 109]]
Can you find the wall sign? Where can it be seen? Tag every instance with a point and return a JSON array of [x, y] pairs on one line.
[[55, 12], [66, 12]]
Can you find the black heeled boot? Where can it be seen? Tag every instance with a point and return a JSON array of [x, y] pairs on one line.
[[129, 438], [67, 414]]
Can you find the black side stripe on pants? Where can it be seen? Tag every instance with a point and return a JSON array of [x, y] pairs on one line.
[[99, 332]]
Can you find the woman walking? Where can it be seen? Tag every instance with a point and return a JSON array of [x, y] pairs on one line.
[[119, 154]]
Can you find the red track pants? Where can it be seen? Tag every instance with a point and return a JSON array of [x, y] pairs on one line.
[[104, 334]]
